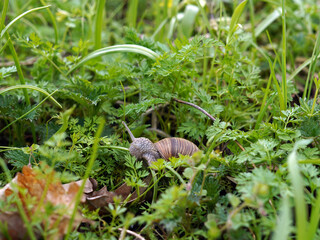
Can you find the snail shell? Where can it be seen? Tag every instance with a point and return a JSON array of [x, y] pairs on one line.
[[165, 148], [172, 147]]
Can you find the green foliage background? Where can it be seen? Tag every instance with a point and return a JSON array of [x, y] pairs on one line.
[[252, 65]]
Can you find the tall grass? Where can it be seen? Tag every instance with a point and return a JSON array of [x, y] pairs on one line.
[[284, 57], [132, 13], [4, 32], [99, 23]]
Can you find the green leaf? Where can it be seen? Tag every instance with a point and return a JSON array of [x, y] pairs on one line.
[[234, 200], [310, 127], [235, 19], [135, 110], [6, 72], [17, 158]]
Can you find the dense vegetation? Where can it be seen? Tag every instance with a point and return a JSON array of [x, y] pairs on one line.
[[71, 72]]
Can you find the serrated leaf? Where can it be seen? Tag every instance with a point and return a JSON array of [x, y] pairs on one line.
[[310, 127], [135, 110], [7, 71], [17, 158]]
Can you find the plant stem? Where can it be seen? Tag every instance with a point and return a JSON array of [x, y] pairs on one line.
[[284, 52]]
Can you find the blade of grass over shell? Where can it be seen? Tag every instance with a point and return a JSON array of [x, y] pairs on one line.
[[28, 112], [117, 49], [298, 193], [19, 17], [99, 23], [235, 19], [32, 88]]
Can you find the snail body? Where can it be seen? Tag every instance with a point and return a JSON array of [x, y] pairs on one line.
[[143, 148]]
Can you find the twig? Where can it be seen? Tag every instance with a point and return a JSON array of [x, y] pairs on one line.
[[29, 61], [132, 233], [150, 110], [240, 146], [195, 106], [159, 132]]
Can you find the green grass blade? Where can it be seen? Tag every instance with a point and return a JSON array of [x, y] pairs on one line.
[[284, 55], [268, 20], [32, 88], [116, 49], [65, 116], [25, 114], [205, 18], [282, 103], [99, 24], [19, 17], [159, 28], [284, 222], [252, 21], [315, 217], [188, 19], [298, 69], [54, 23], [314, 58], [310, 161], [132, 13], [235, 19], [4, 13], [21, 79], [264, 102], [298, 193]]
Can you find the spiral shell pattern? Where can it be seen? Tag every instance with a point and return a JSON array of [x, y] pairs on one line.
[[172, 147]]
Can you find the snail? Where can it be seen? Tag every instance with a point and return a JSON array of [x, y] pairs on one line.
[[143, 148]]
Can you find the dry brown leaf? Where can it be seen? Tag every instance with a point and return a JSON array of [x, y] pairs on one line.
[[36, 189], [102, 197]]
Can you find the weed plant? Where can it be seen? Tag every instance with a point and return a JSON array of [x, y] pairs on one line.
[[253, 65]]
